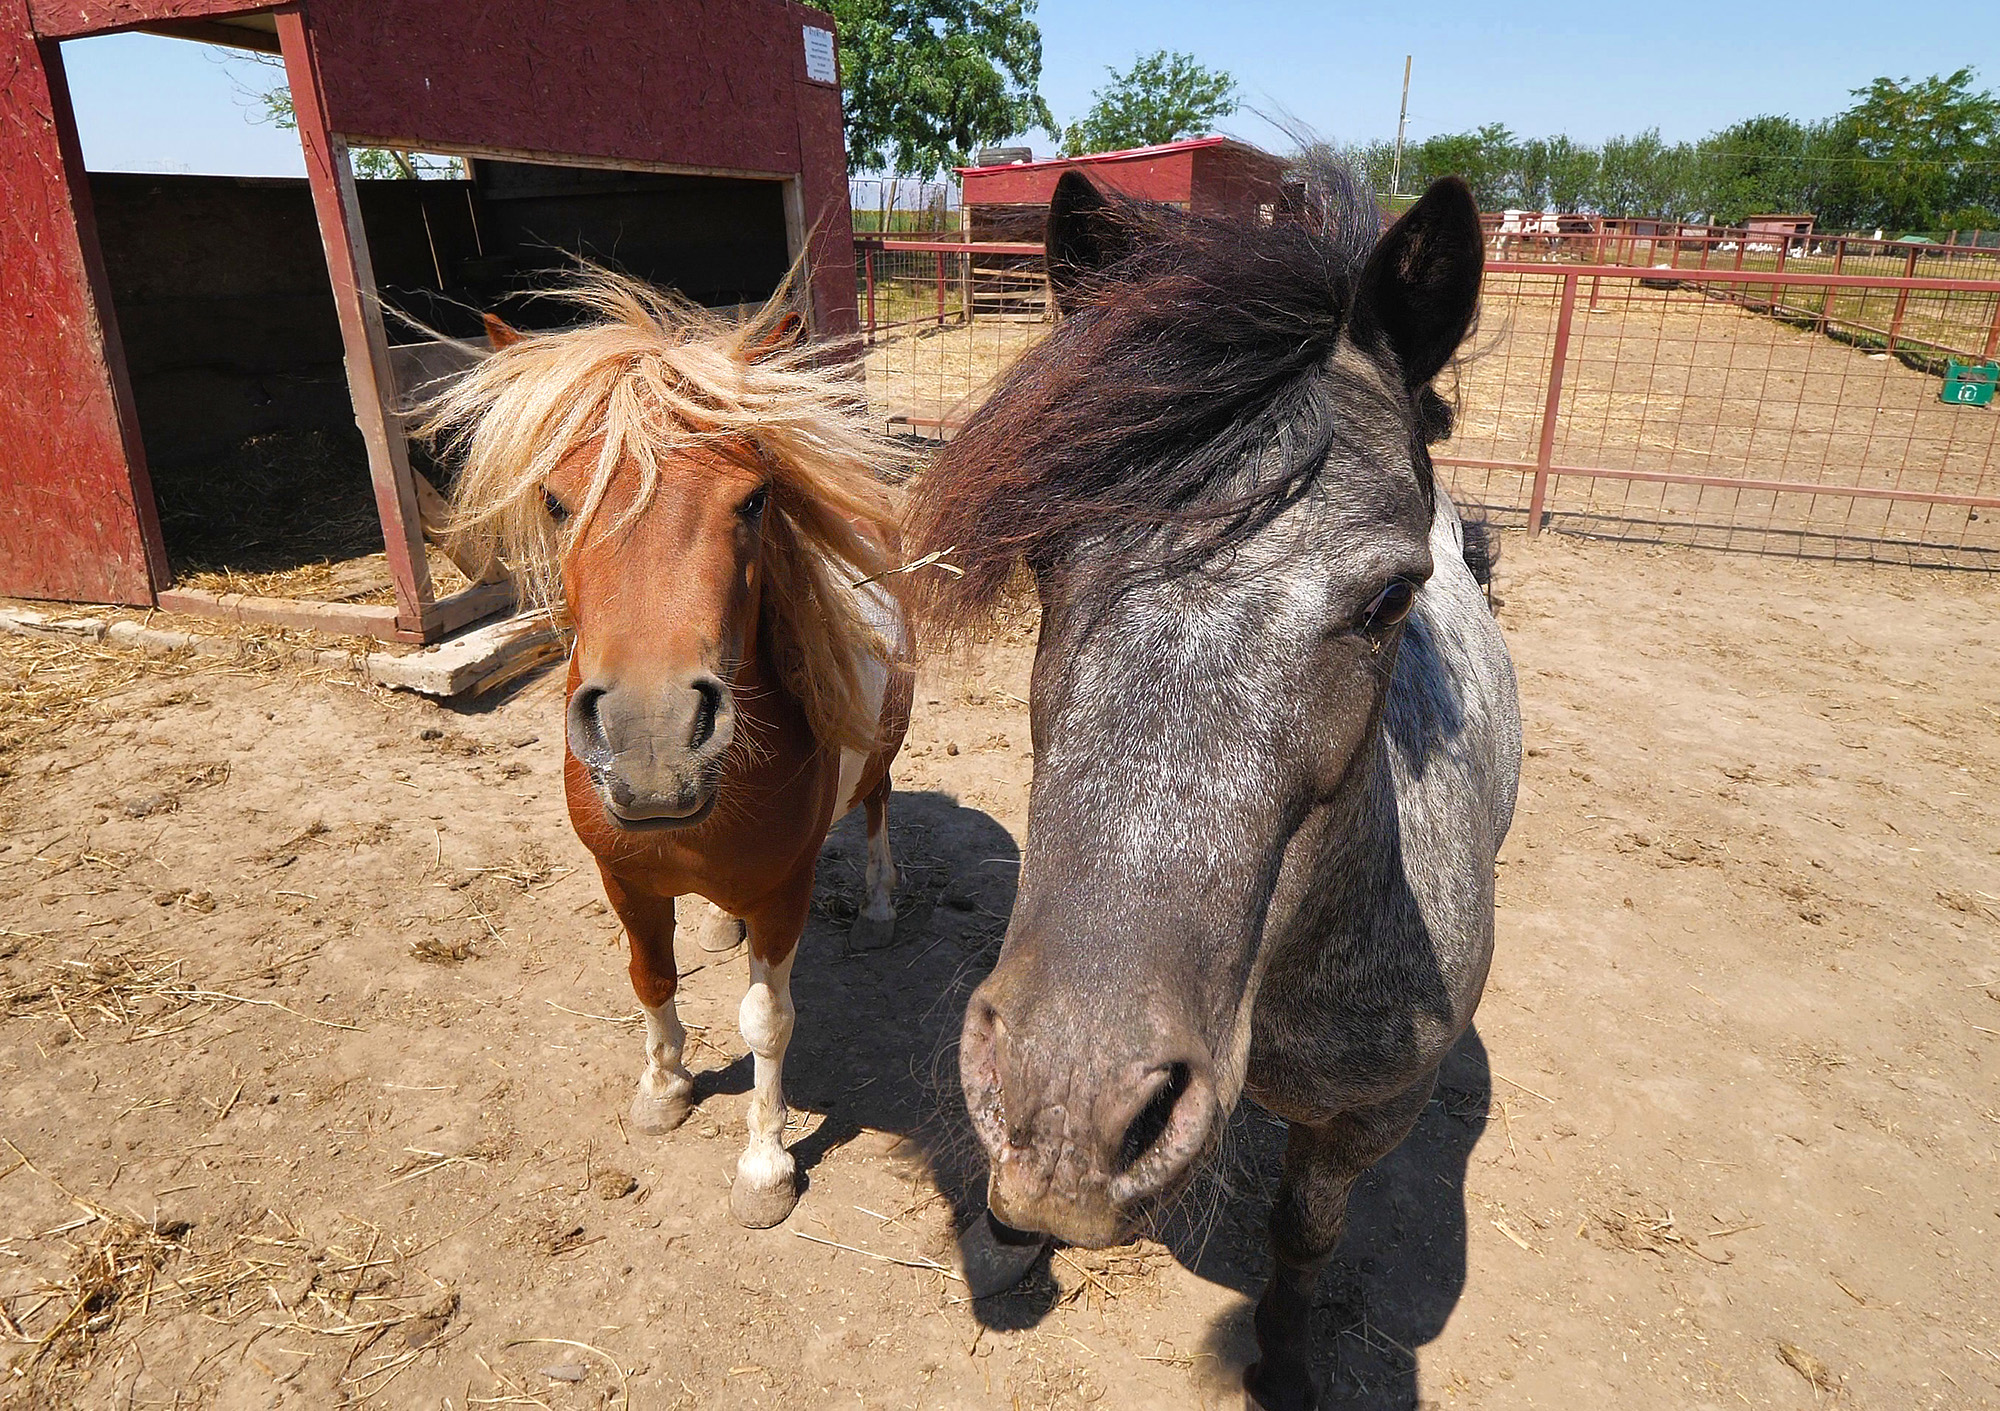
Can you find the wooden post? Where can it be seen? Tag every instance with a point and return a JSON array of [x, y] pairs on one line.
[[940, 288], [868, 273], [369, 379], [1828, 294], [1545, 450], [1902, 298]]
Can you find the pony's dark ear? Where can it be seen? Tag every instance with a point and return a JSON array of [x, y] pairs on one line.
[[499, 333], [1085, 235], [782, 335], [1421, 285]]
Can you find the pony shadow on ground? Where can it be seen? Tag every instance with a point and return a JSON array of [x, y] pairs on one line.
[[1397, 1273], [876, 1049]]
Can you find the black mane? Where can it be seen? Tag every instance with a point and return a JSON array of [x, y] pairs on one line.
[[1179, 363]]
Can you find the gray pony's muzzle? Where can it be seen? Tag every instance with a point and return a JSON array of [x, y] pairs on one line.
[[1084, 1130]]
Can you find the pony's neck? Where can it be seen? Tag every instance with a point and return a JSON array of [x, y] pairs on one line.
[[763, 693]]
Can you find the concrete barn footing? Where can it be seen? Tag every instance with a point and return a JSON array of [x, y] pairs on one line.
[[470, 664]]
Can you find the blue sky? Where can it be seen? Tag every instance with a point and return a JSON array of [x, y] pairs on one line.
[[1576, 66]]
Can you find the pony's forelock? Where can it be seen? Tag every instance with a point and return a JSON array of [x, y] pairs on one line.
[[647, 376], [1177, 394]]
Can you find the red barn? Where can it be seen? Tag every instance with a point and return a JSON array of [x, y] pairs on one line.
[[1207, 175], [147, 319]]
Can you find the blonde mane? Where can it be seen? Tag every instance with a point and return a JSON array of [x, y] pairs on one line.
[[652, 374]]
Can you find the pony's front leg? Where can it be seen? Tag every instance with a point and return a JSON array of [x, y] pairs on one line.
[[666, 1088], [1307, 1220], [764, 1191]]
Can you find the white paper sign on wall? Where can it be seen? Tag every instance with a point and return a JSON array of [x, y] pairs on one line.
[[819, 55]]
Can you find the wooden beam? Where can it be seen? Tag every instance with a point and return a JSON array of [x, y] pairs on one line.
[[536, 157], [231, 36], [468, 605], [341, 619], [74, 19], [369, 378]]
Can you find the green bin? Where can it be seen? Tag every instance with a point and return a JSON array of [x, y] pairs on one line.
[[1969, 384]]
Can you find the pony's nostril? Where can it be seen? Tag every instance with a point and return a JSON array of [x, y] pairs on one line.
[[587, 739], [705, 711], [1151, 1123]]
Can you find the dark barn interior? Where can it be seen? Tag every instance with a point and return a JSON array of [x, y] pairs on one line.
[[232, 339]]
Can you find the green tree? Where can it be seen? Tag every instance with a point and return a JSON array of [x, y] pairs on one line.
[[1643, 176], [1967, 219], [1757, 166], [1163, 97], [924, 82], [1572, 172], [1486, 158], [1925, 145]]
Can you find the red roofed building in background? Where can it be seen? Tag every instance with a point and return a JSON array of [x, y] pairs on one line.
[[1206, 175]]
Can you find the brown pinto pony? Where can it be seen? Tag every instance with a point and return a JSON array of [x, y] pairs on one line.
[[699, 498]]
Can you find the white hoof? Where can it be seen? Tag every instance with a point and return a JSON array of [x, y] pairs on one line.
[[713, 929], [658, 1115]]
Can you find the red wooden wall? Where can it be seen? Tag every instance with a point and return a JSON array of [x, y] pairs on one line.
[[77, 518], [1168, 176], [708, 84]]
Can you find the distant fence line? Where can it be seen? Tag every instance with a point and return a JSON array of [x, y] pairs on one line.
[[1787, 408]]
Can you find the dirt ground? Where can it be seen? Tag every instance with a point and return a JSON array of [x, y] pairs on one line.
[[315, 1043]]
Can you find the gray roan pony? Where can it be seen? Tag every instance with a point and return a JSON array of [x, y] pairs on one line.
[[1275, 729]]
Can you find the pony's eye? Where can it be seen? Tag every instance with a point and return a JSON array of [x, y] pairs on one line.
[[752, 507], [558, 511], [1390, 607]]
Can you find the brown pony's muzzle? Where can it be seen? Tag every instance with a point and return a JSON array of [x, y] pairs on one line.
[[655, 755], [1090, 1116]]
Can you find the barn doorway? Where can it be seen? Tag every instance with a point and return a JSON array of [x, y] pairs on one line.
[[232, 340]]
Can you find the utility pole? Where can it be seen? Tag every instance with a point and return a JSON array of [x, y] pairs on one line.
[[1402, 120]]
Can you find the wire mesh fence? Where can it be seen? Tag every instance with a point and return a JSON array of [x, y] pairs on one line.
[[1752, 410], [1525, 236], [941, 320]]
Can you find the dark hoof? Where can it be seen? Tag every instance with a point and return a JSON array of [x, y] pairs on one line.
[[995, 1257], [757, 1209], [869, 934], [1278, 1389]]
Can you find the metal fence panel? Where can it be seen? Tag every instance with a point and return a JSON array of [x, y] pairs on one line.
[[1789, 411]]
